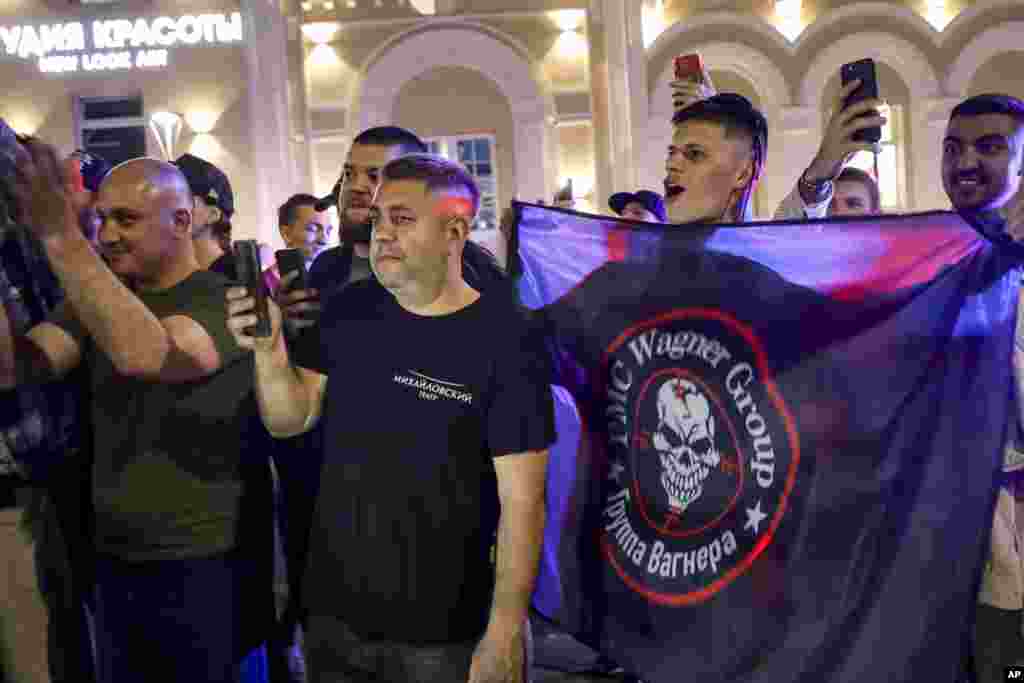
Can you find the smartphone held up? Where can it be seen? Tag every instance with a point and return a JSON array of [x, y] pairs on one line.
[[250, 276], [292, 261], [864, 71], [689, 67]]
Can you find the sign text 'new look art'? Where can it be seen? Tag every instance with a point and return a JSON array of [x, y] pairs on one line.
[[116, 44]]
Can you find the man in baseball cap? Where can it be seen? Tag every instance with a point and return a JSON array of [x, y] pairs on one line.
[[644, 206], [213, 205]]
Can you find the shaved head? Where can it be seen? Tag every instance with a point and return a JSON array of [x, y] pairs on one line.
[[154, 180], [145, 209]]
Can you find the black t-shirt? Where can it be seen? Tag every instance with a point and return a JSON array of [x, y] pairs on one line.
[[332, 268], [416, 409]]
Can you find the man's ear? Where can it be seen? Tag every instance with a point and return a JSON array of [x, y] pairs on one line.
[[457, 227], [745, 175], [283, 230], [183, 222]]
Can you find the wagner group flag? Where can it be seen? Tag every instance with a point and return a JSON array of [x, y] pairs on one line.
[[778, 443]]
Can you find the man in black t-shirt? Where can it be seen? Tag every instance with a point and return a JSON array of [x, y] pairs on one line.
[[437, 421], [353, 195]]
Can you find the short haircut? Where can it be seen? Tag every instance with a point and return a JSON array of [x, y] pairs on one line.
[[852, 174], [439, 174], [991, 103], [737, 115], [289, 210], [392, 136]]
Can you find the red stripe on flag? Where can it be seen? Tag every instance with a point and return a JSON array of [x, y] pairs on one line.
[[617, 242], [904, 264]]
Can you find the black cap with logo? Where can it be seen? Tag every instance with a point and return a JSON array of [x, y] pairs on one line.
[[207, 181]]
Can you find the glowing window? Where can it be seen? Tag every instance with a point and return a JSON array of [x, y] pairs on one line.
[[477, 154], [888, 167]]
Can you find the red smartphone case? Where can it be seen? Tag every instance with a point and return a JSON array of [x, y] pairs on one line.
[[689, 67]]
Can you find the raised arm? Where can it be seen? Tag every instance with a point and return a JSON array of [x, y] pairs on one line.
[[290, 398], [814, 188], [44, 353], [137, 342]]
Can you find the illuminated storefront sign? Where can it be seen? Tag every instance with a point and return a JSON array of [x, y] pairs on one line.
[[114, 44]]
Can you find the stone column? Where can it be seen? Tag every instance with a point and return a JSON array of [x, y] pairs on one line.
[[618, 72], [532, 134], [270, 119], [302, 134]]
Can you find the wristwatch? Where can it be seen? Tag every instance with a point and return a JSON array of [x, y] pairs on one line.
[[819, 190]]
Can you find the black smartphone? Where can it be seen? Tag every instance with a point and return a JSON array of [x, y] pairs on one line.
[[864, 71], [290, 261], [250, 275]]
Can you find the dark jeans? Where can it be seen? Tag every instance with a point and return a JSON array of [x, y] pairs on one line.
[[334, 654], [183, 621], [997, 642], [297, 461]]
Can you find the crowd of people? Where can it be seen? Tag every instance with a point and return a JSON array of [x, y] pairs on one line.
[[359, 495]]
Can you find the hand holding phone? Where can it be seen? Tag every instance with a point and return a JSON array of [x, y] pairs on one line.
[[854, 112], [863, 71], [250, 275], [692, 82], [292, 261], [299, 304], [689, 67]]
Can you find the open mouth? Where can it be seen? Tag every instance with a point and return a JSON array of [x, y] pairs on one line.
[[967, 182], [672, 191]]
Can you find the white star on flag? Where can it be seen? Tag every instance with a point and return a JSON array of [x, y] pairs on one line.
[[755, 517], [617, 470]]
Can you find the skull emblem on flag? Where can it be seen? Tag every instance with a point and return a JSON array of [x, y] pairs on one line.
[[685, 441]]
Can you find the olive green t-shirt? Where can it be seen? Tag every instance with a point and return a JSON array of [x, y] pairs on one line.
[[166, 478]]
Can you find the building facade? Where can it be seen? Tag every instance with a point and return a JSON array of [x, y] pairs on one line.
[[527, 93], [580, 90], [90, 74]]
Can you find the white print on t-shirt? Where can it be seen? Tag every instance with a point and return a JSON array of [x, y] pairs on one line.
[[430, 389]]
